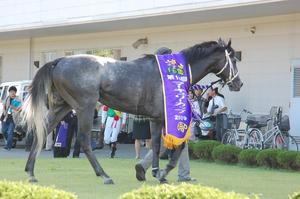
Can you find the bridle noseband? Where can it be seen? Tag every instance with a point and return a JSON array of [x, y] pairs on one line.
[[232, 74]]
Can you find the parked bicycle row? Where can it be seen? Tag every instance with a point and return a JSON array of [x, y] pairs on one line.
[[245, 130], [261, 131]]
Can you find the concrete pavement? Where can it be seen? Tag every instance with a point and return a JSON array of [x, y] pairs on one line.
[[124, 151]]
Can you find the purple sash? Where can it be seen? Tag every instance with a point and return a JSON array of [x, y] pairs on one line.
[[61, 138], [176, 79]]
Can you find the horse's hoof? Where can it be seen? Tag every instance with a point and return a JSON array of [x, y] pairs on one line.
[[155, 173], [108, 181], [163, 181], [32, 180]]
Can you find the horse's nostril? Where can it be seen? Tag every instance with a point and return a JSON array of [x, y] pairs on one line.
[[242, 84]]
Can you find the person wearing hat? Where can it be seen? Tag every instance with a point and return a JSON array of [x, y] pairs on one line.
[[11, 105], [183, 161], [196, 110]]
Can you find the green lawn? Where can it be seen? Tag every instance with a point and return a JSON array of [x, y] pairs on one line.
[[76, 175]]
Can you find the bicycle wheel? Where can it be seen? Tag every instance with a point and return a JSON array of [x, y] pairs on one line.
[[255, 140], [280, 141], [285, 141], [229, 138]]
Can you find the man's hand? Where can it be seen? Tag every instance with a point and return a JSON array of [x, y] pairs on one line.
[[102, 126], [123, 126]]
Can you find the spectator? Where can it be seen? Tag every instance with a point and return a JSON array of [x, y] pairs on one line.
[[202, 99], [12, 104], [112, 124], [217, 109], [64, 136], [141, 131], [196, 115]]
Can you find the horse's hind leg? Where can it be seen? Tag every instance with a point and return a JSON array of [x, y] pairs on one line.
[[55, 115], [29, 168], [85, 122]]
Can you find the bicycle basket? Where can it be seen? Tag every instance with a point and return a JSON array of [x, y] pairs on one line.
[[257, 121], [284, 124], [233, 121]]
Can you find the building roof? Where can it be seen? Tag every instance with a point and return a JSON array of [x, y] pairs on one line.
[[157, 18]]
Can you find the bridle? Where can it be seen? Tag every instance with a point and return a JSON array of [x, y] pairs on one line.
[[232, 74]]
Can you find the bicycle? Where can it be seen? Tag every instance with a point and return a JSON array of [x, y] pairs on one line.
[[273, 137], [243, 138]]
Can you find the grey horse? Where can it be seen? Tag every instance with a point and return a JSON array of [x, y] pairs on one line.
[[77, 82]]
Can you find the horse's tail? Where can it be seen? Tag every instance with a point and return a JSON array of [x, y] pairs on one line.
[[34, 109]]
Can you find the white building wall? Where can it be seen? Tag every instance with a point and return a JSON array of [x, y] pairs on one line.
[[15, 59], [20, 14], [266, 55]]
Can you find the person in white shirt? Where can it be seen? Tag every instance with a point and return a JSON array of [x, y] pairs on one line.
[[216, 108], [217, 103], [112, 121]]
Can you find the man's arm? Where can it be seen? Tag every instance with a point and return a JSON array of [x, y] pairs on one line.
[[104, 116]]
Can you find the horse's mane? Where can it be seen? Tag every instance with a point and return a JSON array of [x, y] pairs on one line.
[[201, 50], [196, 52]]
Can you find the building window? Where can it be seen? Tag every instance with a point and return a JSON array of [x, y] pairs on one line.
[[49, 56], [68, 53], [113, 53]]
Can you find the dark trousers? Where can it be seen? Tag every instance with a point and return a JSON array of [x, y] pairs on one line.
[[221, 126], [8, 132], [76, 151]]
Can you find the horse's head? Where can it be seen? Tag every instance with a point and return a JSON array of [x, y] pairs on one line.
[[226, 68], [214, 57]]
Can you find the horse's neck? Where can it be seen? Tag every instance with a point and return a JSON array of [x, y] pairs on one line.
[[200, 69]]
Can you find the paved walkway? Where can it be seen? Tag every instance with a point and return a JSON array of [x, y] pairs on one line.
[[124, 151]]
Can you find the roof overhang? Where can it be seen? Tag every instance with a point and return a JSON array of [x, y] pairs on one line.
[[159, 20]]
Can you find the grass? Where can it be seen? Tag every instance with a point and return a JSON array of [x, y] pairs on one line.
[[76, 175]]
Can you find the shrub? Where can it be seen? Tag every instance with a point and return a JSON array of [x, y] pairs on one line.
[[203, 149], [183, 191], [248, 157], [226, 153], [295, 196], [297, 160], [268, 158], [287, 159], [192, 150], [19, 190]]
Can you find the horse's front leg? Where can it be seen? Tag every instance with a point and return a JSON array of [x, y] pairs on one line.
[[85, 122], [175, 154], [156, 129]]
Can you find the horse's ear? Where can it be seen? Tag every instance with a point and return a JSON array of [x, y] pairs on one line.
[[229, 44], [220, 41]]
